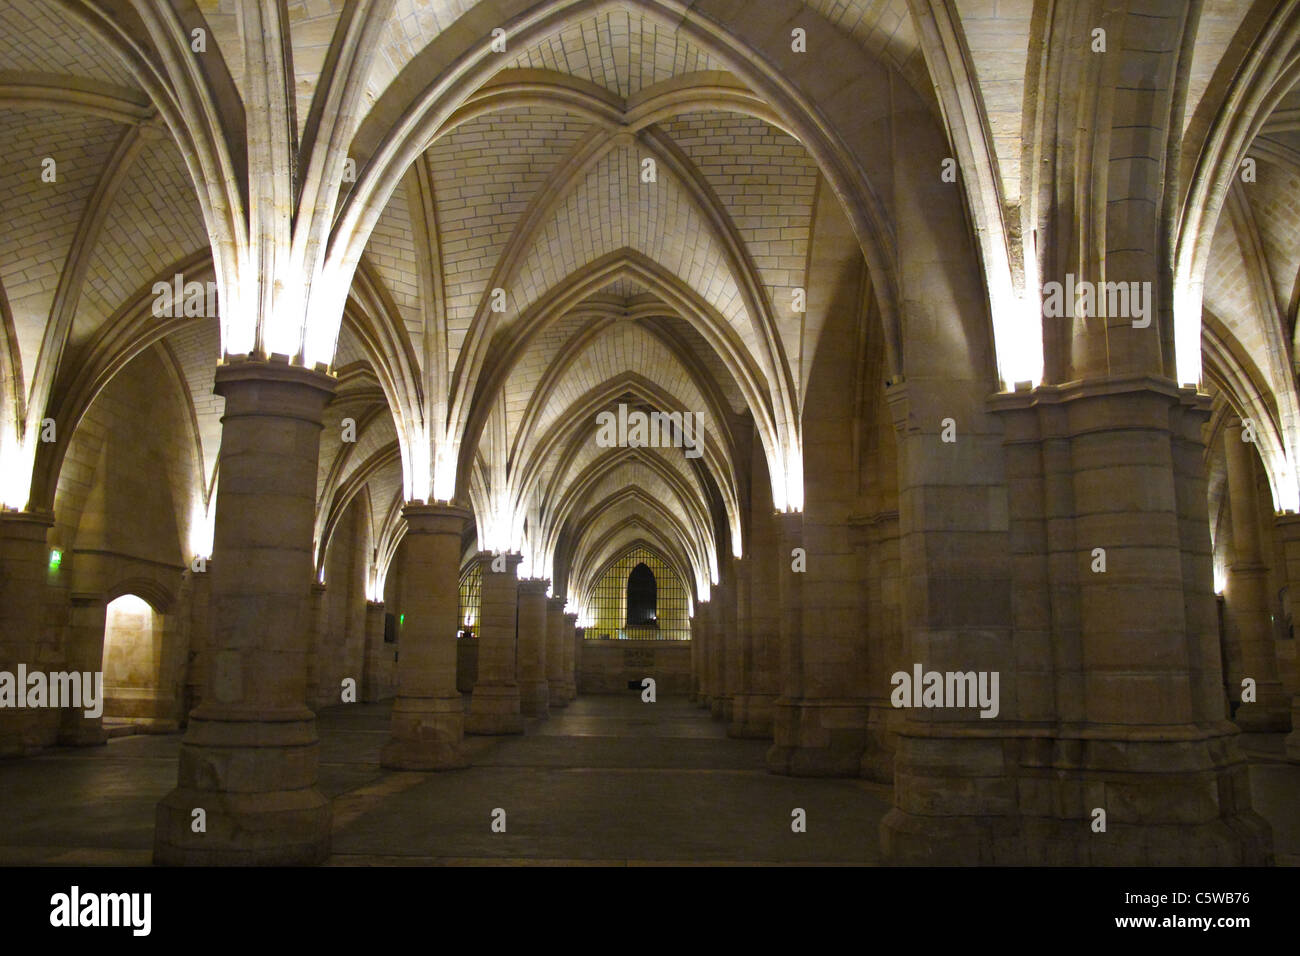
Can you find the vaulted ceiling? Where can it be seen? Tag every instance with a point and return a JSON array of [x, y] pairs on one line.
[[610, 217]]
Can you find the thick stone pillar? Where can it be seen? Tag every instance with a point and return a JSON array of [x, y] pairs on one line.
[[1108, 694], [1246, 597], [718, 658], [1288, 531], [573, 637], [807, 739], [746, 699], [694, 695], [318, 671], [875, 541], [428, 721], [572, 655], [700, 632], [557, 631], [731, 660], [494, 704], [200, 642], [249, 757], [754, 706], [534, 692], [24, 568], [85, 654], [377, 670]]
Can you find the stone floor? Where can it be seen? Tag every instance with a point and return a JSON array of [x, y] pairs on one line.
[[607, 780]]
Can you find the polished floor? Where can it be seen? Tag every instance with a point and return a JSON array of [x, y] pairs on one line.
[[608, 780]]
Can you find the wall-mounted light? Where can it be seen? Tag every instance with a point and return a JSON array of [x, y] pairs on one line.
[[56, 559]]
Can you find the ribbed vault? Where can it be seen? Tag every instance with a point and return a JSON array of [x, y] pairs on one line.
[[619, 210]]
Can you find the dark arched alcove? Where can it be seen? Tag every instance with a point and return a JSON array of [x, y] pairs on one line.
[[642, 607]]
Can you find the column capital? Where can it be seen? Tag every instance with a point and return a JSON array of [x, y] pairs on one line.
[[1101, 404], [275, 388], [1288, 524], [556, 603], [534, 585], [25, 524], [512, 561], [437, 518], [572, 618]]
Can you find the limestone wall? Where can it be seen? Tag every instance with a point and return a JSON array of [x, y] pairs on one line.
[[607, 666]]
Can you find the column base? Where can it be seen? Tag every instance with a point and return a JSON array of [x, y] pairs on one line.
[[1270, 714], [910, 840], [376, 691], [1293, 738], [534, 698], [83, 732], [704, 701], [718, 707], [150, 725], [24, 732], [493, 710], [555, 691], [275, 828], [1031, 801], [818, 738], [752, 716], [254, 776], [878, 759], [427, 734]]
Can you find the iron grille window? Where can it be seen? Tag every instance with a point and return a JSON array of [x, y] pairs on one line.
[[471, 588], [615, 618]]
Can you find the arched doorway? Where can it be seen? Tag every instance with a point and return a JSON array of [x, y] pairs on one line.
[[642, 598], [133, 639]]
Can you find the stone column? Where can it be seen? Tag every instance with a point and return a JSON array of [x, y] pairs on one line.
[[376, 674], [700, 633], [875, 543], [1288, 530], [1246, 597], [744, 647], [200, 642], [249, 757], [428, 721], [85, 654], [494, 704], [694, 694], [173, 661], [788, 711], [556, 631], [731, 659], [1108, 694], [534, 692], [572, 640], [24, 568], [753, 705], [318, 671], [718, 651]]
